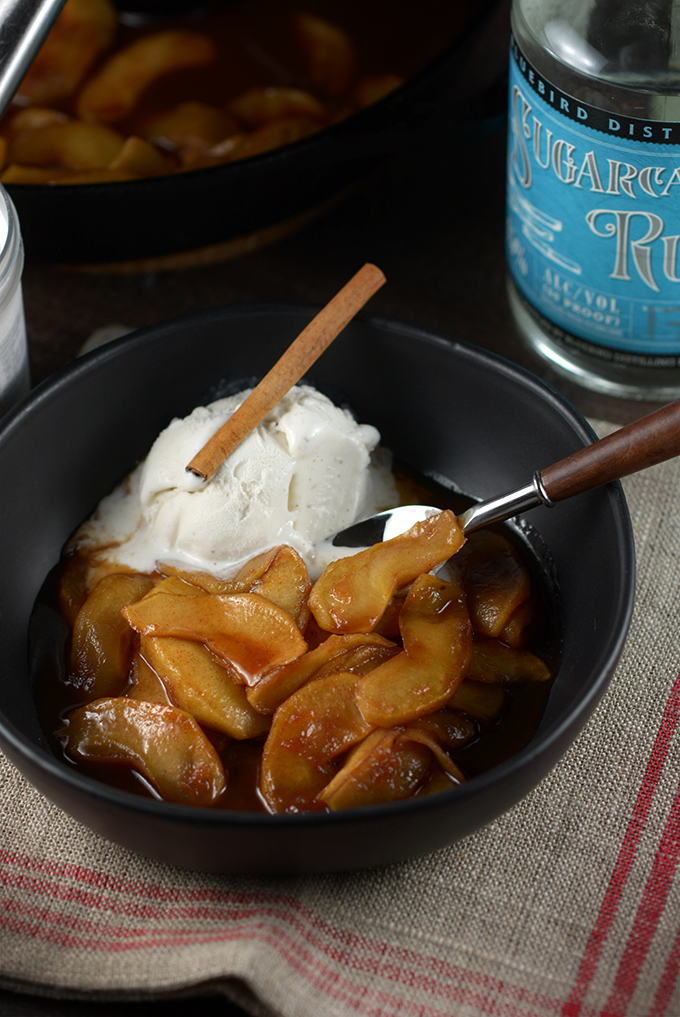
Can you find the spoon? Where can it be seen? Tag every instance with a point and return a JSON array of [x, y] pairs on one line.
[[650, 440], [25, 25]]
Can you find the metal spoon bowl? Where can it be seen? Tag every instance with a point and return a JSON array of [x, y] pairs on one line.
[[652, 439]]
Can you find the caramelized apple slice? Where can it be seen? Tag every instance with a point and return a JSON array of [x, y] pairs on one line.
[[72, 144], [309, 731], [274, 135], [330, 53], [478, 699], [260, 106], [205, 581], [83, 31], [523, 625], [442, 732], [115, 89], [249, 573], [163, 743], [102, 643], [493, 661], [279, 574], [189, 126], [437, 637], [358, 654], [244, 629], [285, 581], [394, 764], [139, 158], [30, 118], [145, 683], [495, 581], [177, 586], [383, 768], [371, 89], [352, 593], [202, 687]]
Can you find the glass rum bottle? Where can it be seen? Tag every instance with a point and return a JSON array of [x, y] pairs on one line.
[[593, 192]]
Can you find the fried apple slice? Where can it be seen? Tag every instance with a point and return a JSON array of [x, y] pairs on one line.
[[73, 144], [274, 135], [114, 91], [282, 577], [437, 637], [352, 593], [383, 768], [102, 642], [478, 699], [493, 661], [371, 89], [395, 764], [140, 159], [193, 126], [206, 582], [523, 625], [495, 581], [279, 574], [32, 117], [356, 653], [329, 51], [442, 732], [161, 742], [244, 629], [17, 174], [83, 31], [175, 586], [309, 731], [145, 683], [204, 688], [223, 151], [260, 106]]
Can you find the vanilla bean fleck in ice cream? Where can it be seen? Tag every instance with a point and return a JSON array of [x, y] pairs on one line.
[[308, 470]]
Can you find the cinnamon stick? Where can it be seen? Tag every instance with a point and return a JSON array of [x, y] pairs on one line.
[[288, 370]]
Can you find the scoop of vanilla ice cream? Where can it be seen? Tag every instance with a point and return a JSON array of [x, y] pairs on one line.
[[305, 472]]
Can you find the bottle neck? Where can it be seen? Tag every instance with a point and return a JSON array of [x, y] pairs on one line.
[[619, 57]]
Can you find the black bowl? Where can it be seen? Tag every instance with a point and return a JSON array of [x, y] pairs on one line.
[[230, 209], [449, 409]]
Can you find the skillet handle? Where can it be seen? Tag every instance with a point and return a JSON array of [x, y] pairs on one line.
[[650, 440]]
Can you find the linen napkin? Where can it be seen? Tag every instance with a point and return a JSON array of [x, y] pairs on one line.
[[566, 906]]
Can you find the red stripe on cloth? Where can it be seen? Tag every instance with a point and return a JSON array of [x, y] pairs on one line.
[[367, 1000], [288, 927], [647, 917], [610, 903], [668, 983]]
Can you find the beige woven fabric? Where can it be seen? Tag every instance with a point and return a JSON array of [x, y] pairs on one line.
[[567, 905]]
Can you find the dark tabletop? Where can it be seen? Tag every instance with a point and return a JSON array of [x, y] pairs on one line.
[[434, 224]]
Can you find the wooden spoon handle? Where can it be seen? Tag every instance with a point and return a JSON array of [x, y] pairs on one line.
[[650, 440]]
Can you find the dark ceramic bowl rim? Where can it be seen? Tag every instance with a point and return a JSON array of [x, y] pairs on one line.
[[523, 760]]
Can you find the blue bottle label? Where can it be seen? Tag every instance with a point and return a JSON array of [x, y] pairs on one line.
[[593, 222]]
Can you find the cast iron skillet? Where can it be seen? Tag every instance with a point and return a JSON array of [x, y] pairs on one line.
[[161, 216], [451, 410]]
